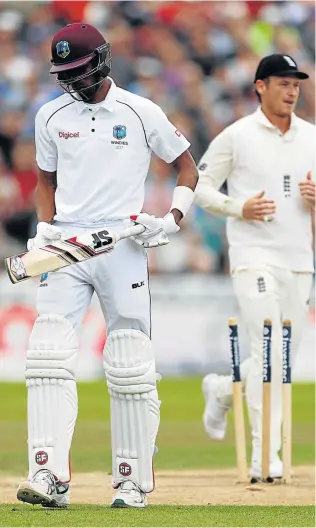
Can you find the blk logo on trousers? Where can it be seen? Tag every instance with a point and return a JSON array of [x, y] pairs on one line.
[[138, 285]]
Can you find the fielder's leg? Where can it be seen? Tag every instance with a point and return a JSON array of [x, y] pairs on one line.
[[296, 290], [258, 294]]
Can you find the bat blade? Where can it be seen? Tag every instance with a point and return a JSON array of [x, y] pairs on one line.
[[65, 253], [58, 255]]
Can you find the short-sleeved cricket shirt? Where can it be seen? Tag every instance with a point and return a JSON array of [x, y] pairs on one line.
[[102, 152]]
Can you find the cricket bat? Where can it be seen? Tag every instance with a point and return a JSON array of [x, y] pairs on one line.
[[64, 253]]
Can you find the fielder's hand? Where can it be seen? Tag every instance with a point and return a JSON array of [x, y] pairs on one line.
[[259, 208], [45, 234], [157, 229], [307, 189]]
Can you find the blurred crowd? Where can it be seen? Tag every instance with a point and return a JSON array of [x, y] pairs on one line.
[[195, 59]]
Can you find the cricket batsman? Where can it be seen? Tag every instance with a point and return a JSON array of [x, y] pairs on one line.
[[93, 149], [268, 160]]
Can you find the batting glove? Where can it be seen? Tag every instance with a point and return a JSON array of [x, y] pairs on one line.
[[45, 234], [157, 229]]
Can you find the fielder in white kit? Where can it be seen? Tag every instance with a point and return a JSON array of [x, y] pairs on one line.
[[94, 145], [268, 159]]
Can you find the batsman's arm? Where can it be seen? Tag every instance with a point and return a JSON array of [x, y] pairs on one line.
[[46, 159], [167, 142], [187, 180], [45, 195]]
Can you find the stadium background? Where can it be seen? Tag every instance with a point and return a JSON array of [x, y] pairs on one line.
[[197, 61]]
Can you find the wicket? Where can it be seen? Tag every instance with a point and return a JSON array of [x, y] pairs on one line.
[[287, 402], [240, 438], [266, 399], [239, 422]]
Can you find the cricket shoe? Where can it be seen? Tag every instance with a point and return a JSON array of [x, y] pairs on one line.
[[45, 489], [276, 469], [129, 495], [214, 417]]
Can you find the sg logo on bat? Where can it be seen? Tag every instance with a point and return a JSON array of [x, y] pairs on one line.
[[101, 240]]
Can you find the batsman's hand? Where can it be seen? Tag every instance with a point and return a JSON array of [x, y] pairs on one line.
[[307, 189], [157, 229], [45, 234], [259, 208]]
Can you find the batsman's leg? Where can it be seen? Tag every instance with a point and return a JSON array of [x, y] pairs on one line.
[[51, 386], [130, 371], [131, 376]]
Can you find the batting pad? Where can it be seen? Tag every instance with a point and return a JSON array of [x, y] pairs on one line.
[[52, 394], [130, 370]]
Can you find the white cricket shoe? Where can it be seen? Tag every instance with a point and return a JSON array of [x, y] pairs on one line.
[[214, 417], [276, 468], [45, 489], [129, 495]]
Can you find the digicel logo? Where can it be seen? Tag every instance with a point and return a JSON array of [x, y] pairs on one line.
[[67, 135]]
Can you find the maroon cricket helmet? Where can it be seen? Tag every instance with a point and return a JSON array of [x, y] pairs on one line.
[[75, 45]]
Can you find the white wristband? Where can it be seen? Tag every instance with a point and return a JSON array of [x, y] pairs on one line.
[[182, 199]]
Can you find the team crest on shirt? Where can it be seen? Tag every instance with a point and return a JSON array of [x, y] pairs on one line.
[[62, 48], [119, 131]]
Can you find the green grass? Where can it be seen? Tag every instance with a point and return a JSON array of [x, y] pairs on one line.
[[159, 516], [182, 442]]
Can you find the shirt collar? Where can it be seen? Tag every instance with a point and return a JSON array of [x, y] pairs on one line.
[[108, 103], [263, 120]]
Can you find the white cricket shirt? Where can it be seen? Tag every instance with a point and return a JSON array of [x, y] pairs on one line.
[[102, 153], [253, 155]]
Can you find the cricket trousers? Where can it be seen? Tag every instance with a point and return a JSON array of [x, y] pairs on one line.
[[120, 280]]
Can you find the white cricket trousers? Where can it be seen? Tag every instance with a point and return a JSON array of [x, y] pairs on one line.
[[120, 280], [267, 292]]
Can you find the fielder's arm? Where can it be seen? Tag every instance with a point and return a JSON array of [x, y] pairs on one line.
[[313, 211], [45, 195], [215, 168]]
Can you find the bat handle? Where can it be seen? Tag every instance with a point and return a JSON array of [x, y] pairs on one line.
[[130, 231]]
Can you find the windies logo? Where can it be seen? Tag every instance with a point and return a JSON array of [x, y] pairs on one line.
[[125, 469], [41, 458], [119, 132], [62, 49]]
